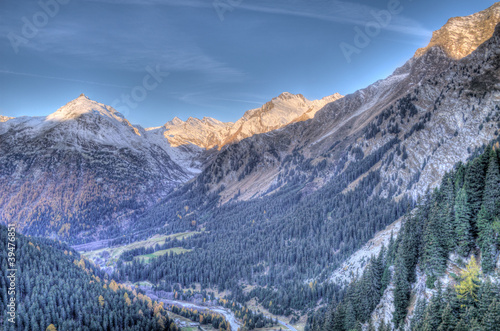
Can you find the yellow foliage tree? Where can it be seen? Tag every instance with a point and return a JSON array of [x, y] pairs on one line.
[[127, 299], [469, 283], [113, 285], [51, 327], [101, 301]]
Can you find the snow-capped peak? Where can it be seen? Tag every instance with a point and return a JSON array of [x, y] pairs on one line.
[[84, 105]]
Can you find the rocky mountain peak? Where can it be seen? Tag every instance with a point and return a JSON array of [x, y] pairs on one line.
[[288, 96], [83, 105], [209, 132], [176, 121], [460, 36], [5, 118]]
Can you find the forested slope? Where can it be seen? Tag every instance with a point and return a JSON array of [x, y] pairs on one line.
[[55, 286], [442, 272]]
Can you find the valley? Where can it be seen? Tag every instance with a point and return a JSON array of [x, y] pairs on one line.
[[375, 210]]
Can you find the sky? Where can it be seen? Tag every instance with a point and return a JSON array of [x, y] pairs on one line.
[[157, 59]]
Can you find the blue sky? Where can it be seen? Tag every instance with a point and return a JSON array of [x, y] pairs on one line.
[[156, 59]]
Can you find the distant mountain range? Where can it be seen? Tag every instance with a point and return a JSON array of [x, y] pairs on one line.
[[208, 133], [87, 163], [288, 206]]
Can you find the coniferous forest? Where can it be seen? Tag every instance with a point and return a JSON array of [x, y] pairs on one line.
[[267, 242], [373, 208], [56, 289], [446, 251]]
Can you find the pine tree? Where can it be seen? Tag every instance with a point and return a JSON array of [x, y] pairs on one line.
[[462, 326], [447, 211], [459, 176], [338, 319], [492, 317], [401, 293], [350, 317], [474, 186], [409, 245], [486, 295], [435, 252], [329, 320], [448, 320], [418, 316], [463, 228], [434, 312], [491, 198]]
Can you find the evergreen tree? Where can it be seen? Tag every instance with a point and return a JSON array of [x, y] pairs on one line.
[[459, 176], [447, 211], [492, 317], [329, 320], [401, 293], [408, 248], [491, 199], [350, 317], [448, 320], [434, 312], [418, 316], [474, 187], [463, 228], [435, 252], [339, 319], [462, 325]]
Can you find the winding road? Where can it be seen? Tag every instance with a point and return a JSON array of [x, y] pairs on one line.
[[228, 314], [235, 324]]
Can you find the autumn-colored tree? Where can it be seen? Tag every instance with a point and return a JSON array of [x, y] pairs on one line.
[[113, 285], [101, 301], [127, 299], [469, 284], [51, 327]]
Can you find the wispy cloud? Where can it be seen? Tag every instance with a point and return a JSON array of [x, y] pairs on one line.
[[336, 12], [324, 10], [172, 50], [8, 72]]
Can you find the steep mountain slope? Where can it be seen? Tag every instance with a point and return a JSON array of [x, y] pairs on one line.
[[455, 43], [80, 171], [442, 271], [414, 105], [277, 113]]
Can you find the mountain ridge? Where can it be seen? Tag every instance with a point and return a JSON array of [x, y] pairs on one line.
[[209, 133], [461, 35]]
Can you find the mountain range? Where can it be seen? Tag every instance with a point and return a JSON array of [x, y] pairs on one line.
[[287, 205]]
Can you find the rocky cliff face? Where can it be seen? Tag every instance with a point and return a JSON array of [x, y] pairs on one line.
[[460, 36], [4, 118]]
